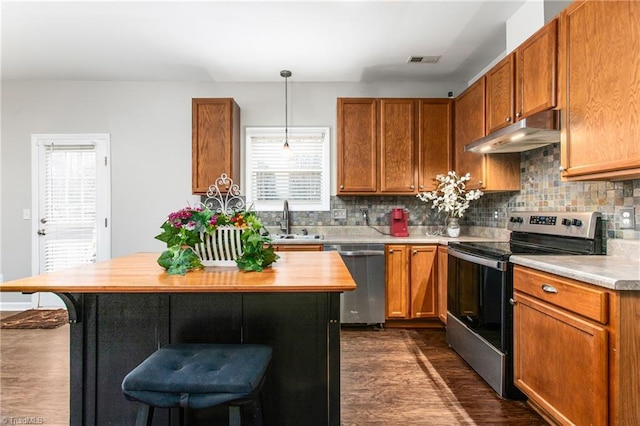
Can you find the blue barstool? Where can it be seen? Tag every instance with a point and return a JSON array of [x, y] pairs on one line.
[[197, 376]]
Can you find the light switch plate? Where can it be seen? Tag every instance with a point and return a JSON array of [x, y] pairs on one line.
[[339, 213], [627, 218]]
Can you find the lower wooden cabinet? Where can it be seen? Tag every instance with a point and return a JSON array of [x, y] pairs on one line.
[[411, 281], [442, 269], [298, 247], [576, 349]]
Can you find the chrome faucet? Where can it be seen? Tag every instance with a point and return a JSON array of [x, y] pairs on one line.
[[284, 223]]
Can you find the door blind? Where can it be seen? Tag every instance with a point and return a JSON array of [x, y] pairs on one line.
[[69, 206]]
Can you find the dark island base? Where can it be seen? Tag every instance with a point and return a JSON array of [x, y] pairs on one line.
[[115, 332]]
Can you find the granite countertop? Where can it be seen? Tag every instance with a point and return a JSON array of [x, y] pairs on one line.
[[612, 272], [369, 235], [618, 270]]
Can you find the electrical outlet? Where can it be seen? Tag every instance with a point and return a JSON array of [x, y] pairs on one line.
[[627, 218], [365, 216], [339, 213]]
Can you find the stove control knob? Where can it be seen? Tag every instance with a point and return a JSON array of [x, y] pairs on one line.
[[566, 222], [518, 219], [576, 222], [515, 219]]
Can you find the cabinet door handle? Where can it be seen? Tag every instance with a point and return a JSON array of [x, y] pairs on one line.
[[562, 168], [412, 187], [548, 288], [391, 251], [421, 186], [415, 252], [512, 301], [508, 119], [341, 186], [518, 114]]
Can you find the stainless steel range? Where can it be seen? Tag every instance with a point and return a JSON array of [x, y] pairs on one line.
[[480, 287]]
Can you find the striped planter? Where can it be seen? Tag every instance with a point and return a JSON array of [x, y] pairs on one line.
[[221, 248]]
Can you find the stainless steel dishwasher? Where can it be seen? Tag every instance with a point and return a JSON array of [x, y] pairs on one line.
[[366, 304]]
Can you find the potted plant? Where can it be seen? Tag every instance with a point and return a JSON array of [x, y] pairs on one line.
[[451, 196], [219, 232]]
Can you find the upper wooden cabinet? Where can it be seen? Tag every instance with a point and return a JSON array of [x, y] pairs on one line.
[[524, 82], [392, 146], [215, 142], [495, 172], [469, 120], [357, 146], [500, 94], [435, 141], [397, 124], [601, 110], [536, 72]]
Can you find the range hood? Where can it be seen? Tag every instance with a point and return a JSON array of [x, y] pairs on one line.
[[529, 133]]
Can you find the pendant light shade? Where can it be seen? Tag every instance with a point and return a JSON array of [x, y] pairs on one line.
[[286, 74]]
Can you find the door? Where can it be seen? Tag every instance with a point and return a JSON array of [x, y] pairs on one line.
[[423, 282], [70, 203], [561, 362], [469, 114], [397, 280], [500, 95]]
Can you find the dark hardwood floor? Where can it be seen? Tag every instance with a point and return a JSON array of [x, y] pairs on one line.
[[381, 384], [400, 388]]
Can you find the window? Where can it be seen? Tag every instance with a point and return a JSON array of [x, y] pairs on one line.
[[302, 177]]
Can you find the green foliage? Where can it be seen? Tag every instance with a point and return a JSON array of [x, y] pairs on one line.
[[258, 252], [179, 260]]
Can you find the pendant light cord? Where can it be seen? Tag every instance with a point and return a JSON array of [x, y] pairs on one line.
[[286, 74]]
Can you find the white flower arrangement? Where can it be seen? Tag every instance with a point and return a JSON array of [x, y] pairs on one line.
[[451, 194]]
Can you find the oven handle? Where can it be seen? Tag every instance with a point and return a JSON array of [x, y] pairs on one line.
[[493, 264]]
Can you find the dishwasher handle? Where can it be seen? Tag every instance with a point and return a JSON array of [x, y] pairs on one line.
[[354, 253]]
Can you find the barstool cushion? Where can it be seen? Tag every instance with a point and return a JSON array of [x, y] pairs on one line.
[[197, 375]]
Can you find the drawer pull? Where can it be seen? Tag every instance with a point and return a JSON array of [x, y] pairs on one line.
[[512, 301], [547, 288]]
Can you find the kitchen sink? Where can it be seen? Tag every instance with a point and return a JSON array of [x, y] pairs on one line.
[[296, 237]]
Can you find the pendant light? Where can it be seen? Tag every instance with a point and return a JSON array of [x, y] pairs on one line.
[[286, 74]]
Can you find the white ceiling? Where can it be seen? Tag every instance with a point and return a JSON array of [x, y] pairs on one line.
[[240, 41]]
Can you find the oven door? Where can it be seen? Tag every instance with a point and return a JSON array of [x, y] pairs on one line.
[[478, 290]]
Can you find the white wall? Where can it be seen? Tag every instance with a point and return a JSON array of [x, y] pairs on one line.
[[150, 128], [520, 26]]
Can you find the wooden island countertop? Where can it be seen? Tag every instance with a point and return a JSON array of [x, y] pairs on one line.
[[140, 273]]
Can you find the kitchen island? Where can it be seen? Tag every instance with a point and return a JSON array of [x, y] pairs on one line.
[[122, 310]]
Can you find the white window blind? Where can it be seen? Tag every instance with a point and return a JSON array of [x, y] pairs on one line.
[[69, 206], [301, 176]]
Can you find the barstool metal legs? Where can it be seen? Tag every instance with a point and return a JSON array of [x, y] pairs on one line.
[[145, 415]]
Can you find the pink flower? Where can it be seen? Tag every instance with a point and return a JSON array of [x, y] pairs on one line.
[[190, 226]]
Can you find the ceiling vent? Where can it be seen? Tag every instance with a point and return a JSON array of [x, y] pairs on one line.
[[423, 59]]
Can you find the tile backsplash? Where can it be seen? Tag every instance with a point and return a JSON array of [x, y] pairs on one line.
[[541, 190]]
